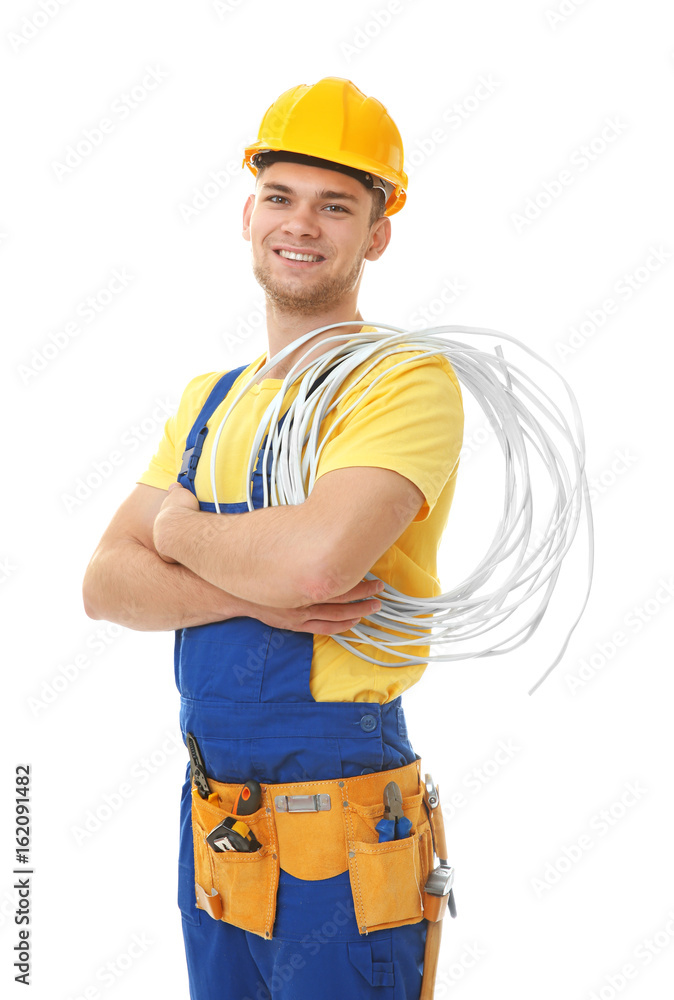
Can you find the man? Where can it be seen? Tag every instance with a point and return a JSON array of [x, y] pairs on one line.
[[254, 600]]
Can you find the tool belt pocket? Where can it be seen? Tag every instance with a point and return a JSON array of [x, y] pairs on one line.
[[234, 886], [387, 879]]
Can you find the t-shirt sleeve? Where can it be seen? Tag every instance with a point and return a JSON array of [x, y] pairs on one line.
[[167, 459], [410, 421], [163, 470]]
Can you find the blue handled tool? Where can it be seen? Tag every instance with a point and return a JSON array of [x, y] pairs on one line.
[[395, 825]]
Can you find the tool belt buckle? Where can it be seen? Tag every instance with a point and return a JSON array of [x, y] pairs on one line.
[[302, 803]]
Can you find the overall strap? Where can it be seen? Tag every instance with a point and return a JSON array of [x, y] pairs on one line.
[[197, 435], [263, 470]]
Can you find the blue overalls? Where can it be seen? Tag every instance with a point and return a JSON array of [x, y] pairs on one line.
[[245, 695]]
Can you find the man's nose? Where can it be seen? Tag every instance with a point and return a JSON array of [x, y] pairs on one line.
[[301, 221]]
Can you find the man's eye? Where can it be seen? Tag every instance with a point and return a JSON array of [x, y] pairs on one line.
[[279, 198]]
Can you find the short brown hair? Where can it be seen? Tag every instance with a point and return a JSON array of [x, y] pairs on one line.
[[378, 205]]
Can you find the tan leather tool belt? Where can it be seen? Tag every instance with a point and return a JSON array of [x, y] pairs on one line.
[[316, 830]]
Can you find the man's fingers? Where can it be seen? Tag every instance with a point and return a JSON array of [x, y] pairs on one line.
[[341, 613], [341, 618], [168, 559], [366, 588], [329, 627]]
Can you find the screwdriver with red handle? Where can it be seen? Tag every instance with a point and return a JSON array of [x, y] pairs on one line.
[[249, 799]]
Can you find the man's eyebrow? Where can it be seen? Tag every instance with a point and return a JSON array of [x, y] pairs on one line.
[[333, 195]]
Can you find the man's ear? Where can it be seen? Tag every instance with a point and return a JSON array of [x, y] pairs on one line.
[[247, 212], [379, 238]]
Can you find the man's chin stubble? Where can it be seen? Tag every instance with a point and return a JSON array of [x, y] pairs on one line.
[[310, 301]]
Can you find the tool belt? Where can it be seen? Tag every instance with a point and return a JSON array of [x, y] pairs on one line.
[[316, 830]]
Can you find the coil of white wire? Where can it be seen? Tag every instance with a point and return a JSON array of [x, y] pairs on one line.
[[521, 416]]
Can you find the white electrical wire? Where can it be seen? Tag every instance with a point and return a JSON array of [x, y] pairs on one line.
[[518, 411]]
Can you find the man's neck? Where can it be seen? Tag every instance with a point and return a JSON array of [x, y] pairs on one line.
[[284, 329]]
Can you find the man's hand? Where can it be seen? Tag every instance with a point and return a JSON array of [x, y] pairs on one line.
[[334, 616], [176, 497]]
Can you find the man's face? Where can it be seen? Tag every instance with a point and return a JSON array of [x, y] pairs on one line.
[[309, 210]]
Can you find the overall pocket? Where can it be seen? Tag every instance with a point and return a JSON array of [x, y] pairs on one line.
[[237, 887]]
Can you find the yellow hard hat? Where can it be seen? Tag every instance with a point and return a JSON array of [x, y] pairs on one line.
[[333, 120]]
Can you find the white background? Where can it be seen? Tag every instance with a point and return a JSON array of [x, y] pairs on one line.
[[531, 88]]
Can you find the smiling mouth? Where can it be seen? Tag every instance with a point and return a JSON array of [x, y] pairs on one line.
[[306, 258]]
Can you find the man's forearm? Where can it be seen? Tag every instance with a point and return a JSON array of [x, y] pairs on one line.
[[271, 556], [132, 586]]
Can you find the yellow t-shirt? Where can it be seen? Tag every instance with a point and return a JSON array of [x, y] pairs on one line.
[[411, 421]]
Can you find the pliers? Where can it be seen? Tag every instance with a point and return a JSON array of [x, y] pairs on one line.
[[395, 825]]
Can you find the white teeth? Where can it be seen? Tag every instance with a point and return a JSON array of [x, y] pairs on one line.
[[299, 256]]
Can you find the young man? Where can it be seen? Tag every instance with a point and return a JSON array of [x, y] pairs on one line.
[[254, 600]]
